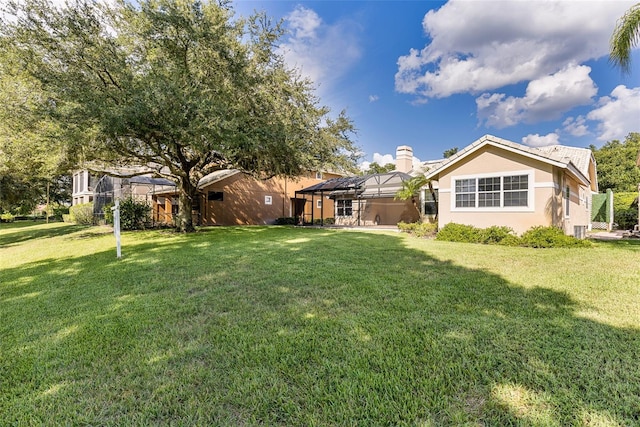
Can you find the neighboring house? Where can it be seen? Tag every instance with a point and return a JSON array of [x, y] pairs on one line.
[[370, 199], [82, 189], [498, 182], [140, 188], [230, 197]]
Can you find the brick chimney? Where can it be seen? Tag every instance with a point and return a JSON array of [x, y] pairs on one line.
[[404, 158]]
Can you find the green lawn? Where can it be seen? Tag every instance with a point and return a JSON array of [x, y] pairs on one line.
[[283, 326]]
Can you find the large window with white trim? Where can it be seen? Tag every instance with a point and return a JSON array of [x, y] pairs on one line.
[[502, 191]]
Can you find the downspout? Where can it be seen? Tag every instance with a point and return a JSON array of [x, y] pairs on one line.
[[312, 203], [322, 208], [284, 198]]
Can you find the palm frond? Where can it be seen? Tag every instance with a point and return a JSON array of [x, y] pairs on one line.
[[624, 38]]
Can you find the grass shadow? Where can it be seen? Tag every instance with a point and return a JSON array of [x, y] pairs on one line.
[[287, 326], [22, 231]]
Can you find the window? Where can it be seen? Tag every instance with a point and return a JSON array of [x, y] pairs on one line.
[[516, 190], [465, 193], [344, 207], [318, 175], [215, 196], [567, 200], [488, 192], [319, 204], [492, 192], [268, 200], [430, 203]]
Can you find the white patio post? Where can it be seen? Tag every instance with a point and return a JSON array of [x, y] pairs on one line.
[[116, 227]]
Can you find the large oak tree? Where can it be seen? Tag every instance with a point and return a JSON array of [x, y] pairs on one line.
[[181, 87]]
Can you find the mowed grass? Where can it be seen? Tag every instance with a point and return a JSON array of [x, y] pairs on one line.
[[286, 326]]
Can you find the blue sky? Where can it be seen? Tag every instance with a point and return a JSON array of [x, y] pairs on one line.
[[437, 75]]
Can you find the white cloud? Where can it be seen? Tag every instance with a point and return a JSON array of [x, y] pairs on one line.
[[535, 140], [576, 126], [546, 98], [478, 46], [383, 159], [373, 98], [618, 114], [322, 52]]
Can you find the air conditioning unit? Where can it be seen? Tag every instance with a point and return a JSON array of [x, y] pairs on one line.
[[579, 231]]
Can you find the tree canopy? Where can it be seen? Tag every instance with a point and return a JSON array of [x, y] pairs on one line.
[[375, 167], [32, 158], [616, 162], [449, 152], [180, 87]]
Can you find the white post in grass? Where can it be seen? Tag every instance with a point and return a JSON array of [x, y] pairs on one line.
[[116, 227]]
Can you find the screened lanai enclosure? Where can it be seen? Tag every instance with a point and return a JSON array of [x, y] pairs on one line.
[[140, 188], [360, 200]]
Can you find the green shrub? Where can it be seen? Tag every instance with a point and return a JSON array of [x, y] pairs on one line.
[[285, 220], [535, 237], [496, 234], [510, 240], [625, 210], [58, 211], [549, 237], [66, 218], [326, 221], [134, 215], [418, 229], [7, 217], [407, 227], [425, 229], [82, 214], [453, 232], [108, 213]]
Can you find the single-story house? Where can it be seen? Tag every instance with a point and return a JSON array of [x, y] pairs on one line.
[[498, 182], [230, 197]]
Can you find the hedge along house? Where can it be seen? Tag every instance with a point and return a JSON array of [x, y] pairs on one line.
[[498, 182], [230, 197]]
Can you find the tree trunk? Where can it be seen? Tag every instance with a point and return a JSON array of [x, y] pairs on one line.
[[187, 192]]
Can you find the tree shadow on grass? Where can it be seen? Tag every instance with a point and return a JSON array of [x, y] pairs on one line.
[[298, 327], [12, 234]]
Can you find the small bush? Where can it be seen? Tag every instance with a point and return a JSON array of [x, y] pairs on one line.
[[326, 221], [496, 234], [134, 215], [7, 217], [66, 218], [82, 214], [510, 240], [285, 220], [108, 213], [407, 227], [418, 229], [453, 232], [58, 211], [549, 237]]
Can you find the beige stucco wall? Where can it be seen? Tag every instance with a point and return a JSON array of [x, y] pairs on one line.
[[546, 184]]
